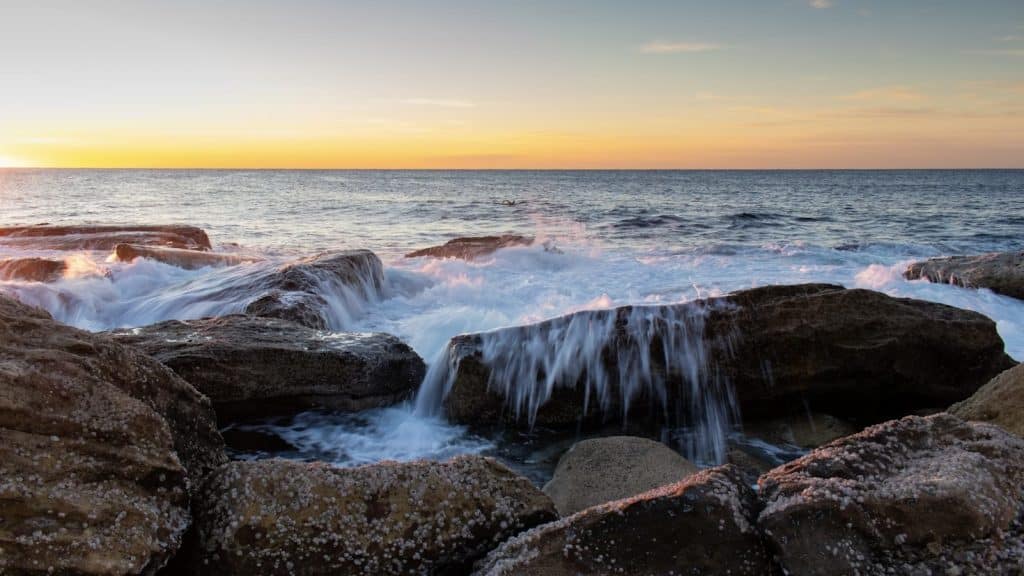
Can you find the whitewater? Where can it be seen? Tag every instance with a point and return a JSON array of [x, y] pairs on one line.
[[607, 239]]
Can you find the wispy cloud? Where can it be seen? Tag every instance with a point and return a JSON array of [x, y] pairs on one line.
[[887, 94], [821, 4], [679, 47], [438, 102], [1010, 38]]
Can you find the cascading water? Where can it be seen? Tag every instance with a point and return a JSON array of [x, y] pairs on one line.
[[615, 358]]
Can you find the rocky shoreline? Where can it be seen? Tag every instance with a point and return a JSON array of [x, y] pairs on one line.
[[111, 461]]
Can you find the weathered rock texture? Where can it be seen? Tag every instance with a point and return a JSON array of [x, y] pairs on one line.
[[806, 430], [32, 269], [187, 259], [296, 291], [46, 237], [284, 517], [600, 470], [99, 448], [702, 525], [473, 247], [852, 353], [918, 495], [1000, 402], [1001, 272], [251, 366]]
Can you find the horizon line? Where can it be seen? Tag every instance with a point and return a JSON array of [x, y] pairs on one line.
[[520, 169]]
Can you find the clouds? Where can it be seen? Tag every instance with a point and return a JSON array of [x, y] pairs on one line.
[[438, 102], [819, 4], [886, 94], [657, 47]]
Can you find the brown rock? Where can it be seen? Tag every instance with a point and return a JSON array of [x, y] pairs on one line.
[[807, 430], [187, 259], [473, 247], [296, 290], [99, 448], [250, 366], [46, 237], [918, 495], [600, 470], [1000, 402], [852, 353], [285, 517], [1001, 272], [32, 269], [701, 525]]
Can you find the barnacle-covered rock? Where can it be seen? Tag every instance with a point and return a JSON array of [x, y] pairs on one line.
[[917, 495], [701, 525], [285, 517], [99, 446], [1000, 402], [252, 366]]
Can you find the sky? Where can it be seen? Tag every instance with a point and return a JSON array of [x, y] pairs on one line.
[[513, 84]]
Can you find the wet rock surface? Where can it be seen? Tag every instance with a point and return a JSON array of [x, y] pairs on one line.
[[1000, 402], [87, 237], [852, 353], [283, 517], [701, 525], [187, 259], [917, 495], [807, 430], [32, 269], [600, 470], [251, 366], [296, 291], [100, 447], [1001, 272], [473, 247]]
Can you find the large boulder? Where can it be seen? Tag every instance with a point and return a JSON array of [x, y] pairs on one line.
[[701, 525], [87, 237], [187, 259], [472, 248], [918, 495], [285, 517], [1000, 402], [600, 470], [32, 269], [251, 366], [100, 447], [299, 291], [852, 353], [1001, 272]]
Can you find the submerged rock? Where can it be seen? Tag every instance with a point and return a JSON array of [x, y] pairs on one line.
[[32, 269], [853, 353], [252, 366], [295, 291], [86, 237], [807, 430], [473, 247], [1000, 402], [100, 446], [600, 470], [187, 259], [701, 525], [285, 517], [918, 495], [1001, 272]]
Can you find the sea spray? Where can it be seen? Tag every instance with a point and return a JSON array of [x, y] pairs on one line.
[[615, 359]]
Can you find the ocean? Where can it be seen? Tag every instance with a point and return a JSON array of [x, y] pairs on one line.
[[607, 238]]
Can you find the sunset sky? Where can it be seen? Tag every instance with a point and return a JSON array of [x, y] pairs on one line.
[[545, 84]]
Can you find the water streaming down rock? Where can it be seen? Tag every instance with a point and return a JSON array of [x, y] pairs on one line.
[[622, 359]]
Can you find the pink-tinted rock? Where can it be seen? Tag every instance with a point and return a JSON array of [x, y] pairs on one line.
[[473, 247], [1001, 272], [32, 269], [187, 259], [88, 237]]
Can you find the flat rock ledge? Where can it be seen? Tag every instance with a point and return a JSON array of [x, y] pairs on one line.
[[701, 525], [913, 496], [100, 448], [187, 259], [251, 367], [471, 248], [284, 517], [100, 237], [32, 269], [1000, 272]]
